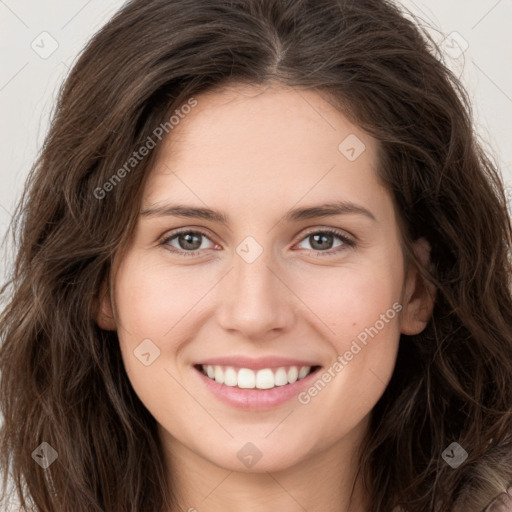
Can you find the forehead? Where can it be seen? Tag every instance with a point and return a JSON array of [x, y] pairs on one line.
[[252, 146]]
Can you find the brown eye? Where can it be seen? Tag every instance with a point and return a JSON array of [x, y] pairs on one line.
[[322, 241], [186, 242], [189, 241]]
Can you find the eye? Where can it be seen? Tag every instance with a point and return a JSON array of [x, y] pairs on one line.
[[321, 241], [189, 242]]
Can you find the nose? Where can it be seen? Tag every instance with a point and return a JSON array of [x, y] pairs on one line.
[[256, 300]]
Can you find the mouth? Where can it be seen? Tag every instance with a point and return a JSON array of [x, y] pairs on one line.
[[255, 384], [257, 379]]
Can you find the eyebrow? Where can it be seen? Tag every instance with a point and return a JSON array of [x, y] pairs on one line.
[[294, 215]]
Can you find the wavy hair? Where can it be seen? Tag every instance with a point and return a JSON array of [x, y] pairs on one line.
[[62, 377]]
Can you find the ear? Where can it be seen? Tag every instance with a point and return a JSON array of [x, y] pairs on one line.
[[419, 297], [105, 318]]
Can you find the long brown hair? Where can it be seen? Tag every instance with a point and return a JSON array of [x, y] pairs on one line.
[[62, 377]]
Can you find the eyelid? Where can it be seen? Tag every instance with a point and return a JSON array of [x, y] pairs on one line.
[[326, 229]]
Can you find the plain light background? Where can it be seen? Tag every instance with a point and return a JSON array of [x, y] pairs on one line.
[[42, 39]]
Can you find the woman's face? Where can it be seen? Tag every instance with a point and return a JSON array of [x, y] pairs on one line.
[[273, 286]]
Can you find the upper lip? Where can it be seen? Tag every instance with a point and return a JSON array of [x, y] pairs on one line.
[[256, 364]]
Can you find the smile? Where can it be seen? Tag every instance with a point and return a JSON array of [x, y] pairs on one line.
[[255, 384], [246, 378]]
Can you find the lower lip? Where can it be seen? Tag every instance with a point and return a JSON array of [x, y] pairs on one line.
[[256, 399]]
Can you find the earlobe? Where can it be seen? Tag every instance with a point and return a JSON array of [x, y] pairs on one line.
[[419, 297], [105, 317]]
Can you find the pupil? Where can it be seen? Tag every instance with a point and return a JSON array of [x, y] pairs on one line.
[[187, 238], [324, 236]]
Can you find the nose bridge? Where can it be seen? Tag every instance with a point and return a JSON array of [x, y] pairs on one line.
[[253, 277], [255, 298]]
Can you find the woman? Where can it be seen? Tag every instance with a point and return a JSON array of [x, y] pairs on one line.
[[249, 371]]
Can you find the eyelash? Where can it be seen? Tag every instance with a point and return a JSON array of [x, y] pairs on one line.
[[347, 242]]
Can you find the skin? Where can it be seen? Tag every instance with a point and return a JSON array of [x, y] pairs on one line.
[[255, 153]]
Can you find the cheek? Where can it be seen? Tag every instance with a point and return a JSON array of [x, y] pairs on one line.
[[152, 304], [153, 299], [361, 307], [158, 303], [350, 299]]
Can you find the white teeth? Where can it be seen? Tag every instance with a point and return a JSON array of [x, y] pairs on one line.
[[293, 373], [303, 372], [281, 378], [265, 379], [246, 378], [219, 375], [230, 377]]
